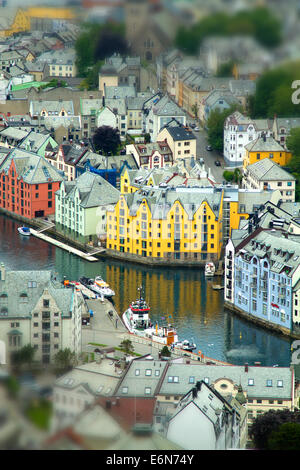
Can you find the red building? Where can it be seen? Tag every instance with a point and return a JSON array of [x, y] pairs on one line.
[[27, 184]]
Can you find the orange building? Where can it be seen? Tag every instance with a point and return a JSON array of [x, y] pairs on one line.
[[28, 184]]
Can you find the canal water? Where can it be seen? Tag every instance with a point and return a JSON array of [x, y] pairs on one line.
[[183, 295]]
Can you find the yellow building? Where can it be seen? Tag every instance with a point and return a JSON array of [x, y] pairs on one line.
[[266, 147], [173, 224], [21, 20], [16, 21]]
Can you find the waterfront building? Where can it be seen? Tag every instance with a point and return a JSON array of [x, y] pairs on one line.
[[152, 155], [36, 309], [266, 174], [181, 141], [262, 268], [28, 184], [81, 206], [266, 147], [240, 130], [183, 224]]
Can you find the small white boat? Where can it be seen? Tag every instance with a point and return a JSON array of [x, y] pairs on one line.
[[24, 231], [102, 290], [209, 269], [186, 345]]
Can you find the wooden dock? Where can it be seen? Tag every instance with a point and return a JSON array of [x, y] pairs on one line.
[[63, 246]]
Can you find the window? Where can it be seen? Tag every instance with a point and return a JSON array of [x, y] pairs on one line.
[[191, 380], [269, 383], [125, 390], [250, 382], [147, 391], [148, 372], [279, 383], [137, 372]]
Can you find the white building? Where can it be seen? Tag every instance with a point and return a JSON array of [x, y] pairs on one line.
[[239, 130], [36, 309], [204, 420]]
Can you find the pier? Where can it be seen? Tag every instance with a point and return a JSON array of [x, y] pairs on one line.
[[64, 246]]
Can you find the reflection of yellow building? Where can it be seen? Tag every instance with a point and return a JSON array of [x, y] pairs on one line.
[[185, 295], [176, 224], [266, 147], [21, 20]]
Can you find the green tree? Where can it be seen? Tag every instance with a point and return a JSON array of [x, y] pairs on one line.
[[226, 69], [165, 352], [65, 360], [286, 437], [259, 22], [127, 346], [228, 176], [264, 425], [106, 139], [215, 126], [23, 356], [274, 91], [95, 43]]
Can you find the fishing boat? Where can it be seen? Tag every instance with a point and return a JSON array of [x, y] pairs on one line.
[[137, 320], [209, 269], [24, 231], [95, 287], [186, 345]]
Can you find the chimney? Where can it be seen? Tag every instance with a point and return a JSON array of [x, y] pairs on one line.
[[198, 386], [246, 367], [194, 392]]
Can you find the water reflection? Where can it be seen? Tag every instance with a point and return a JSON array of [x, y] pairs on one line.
[[197, 310]]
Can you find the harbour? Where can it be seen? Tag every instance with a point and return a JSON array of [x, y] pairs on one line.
[[196, 307]]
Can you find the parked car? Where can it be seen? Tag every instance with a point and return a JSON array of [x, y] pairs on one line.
[[192, 125], [209, 148], [217, 163], [196, 129]]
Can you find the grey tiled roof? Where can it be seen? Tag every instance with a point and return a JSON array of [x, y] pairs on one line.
[[21, 299], [166, 107], [235, 373], [267, 144], [94, 190], [180, 133], [267, 170], [32, 168]]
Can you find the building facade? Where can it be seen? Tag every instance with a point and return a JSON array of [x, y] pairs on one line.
[[37, 310], [28, 184]]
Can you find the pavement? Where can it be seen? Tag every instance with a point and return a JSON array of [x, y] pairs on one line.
[[106, 328]]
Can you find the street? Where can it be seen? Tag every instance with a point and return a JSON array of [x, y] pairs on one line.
[[209, 156]]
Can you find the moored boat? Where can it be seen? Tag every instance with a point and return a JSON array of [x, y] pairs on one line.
[[137, 320], [209, 269], [24, 231], [186, 345], [95, 287]]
